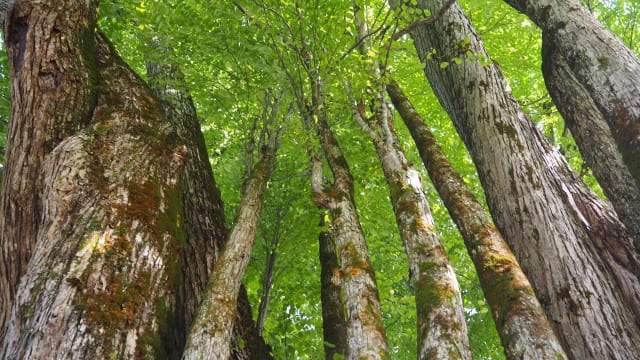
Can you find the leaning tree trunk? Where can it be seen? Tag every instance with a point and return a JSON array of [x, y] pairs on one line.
[[205, 230], [577, 255], [333, 322], [365, 333], [442, 330], [211, 334], [94, 196], [605, 68], [521, 321], [593, 137]]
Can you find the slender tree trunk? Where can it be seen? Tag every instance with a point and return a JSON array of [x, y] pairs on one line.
[[211, 334], [577, 255], [520, 319], [366, 337], [205, 230], [97, 213], [333, 322], [606, 69], [442, 330], [267, 285]]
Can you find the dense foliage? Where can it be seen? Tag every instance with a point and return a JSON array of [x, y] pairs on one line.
[[231, 52]]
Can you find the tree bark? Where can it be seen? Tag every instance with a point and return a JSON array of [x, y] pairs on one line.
[[205, 229], [333, 322], [365, 331], [577, 255], [521, 321], [211, 334], [606, 69], [93, 200]]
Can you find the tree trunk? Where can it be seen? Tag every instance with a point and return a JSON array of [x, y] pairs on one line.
[[365, 333], [576, 253], [211, 334], [605, 68], [267, 285], [333, 324], [205, 229], [520, 319], [442, 330], [593, 137], [93, 200]]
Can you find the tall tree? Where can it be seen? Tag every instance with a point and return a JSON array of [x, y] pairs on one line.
[[442, 331], [92, 222], [333, 322], [211, 334], [521, 321], [548, 216]]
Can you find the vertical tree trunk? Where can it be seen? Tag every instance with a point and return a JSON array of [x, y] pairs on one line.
[[366, 337], [205, 229], [333, 324], [576, 253], [606, 69], [442, 330], [211, 334], [267, 285], [520, 319], [98, 213]]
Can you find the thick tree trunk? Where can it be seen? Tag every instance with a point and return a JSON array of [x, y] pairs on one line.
[[205, 229], [366, 337], [605, 68], [576, 253], [442, 330], [211, 334], [593, 137], [333, 324], [520, 319], [97, 213]]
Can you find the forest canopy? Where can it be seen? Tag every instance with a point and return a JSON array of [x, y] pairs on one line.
[[264, 78]]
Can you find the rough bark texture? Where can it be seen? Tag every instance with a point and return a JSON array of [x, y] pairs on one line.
[[211, 334], [607, 70], [203, 215], [520, 319], [333, 324], [366, 337], [574, 250], [99, 203], [442, 330], [593, 137]]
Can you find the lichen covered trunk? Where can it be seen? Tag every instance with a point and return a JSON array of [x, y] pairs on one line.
[[203, 214], [574, 250], [109, 230], [211, 334], [606, 69], [333, 322], [365, 333], [593, 137], [520, 319]]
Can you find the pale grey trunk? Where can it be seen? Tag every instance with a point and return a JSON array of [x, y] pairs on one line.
[[606, 69], [576, 253]]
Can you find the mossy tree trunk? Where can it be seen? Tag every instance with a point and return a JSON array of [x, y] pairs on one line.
[[520, 319], [92, 198], [211, 334], [333, 322], [203, 214], [574, 250], [442, 330], [365, 333], [599, 63]]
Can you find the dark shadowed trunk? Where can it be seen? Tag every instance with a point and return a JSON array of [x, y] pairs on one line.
[[333, 322], [576, 253], [520, 319]]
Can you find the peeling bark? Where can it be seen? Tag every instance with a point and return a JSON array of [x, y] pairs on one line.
[[576, 253], [520, 319]]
